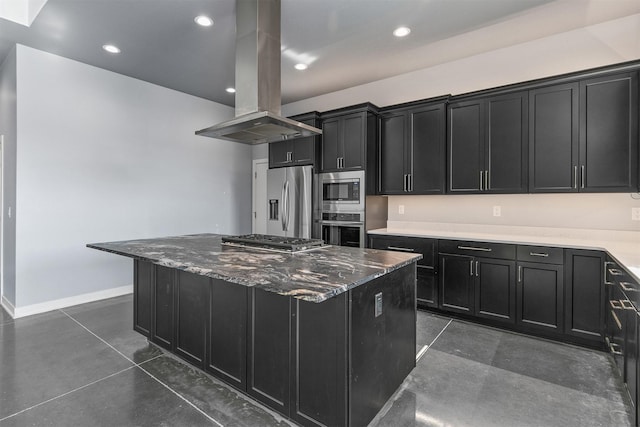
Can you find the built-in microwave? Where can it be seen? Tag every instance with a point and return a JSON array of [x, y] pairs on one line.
[[341, 191]]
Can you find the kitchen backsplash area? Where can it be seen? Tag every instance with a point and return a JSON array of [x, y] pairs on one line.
[[601, 211]]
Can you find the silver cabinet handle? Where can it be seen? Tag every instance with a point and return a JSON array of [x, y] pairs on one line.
[[628, 287], [519, 274], [471, 268], [410, 179], [473, 248], [575, 177], [615, 304], [626, 304], [397, 248], [606, 282], [341, 162], [481, 180], [486, 180], [582, 176], [612, 347], [542, 254], [476, 268], [338, 163], [615, 272], [404, 182], [615, 317]]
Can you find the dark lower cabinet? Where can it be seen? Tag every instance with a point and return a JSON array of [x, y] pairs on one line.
[[495, 289], [163, 307], [191, 317], [227, 333], [142, 297], [268, 350], [584, 294], [427, 287], [456, 283], [540, 296]]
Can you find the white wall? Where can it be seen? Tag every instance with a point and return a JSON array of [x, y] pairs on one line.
[[104, 157], [8, 128], [598, 45]]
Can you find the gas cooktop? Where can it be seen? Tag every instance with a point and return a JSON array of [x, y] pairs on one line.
[[279, 243]]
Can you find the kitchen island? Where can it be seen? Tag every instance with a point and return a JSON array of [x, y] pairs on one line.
[[324, 336]]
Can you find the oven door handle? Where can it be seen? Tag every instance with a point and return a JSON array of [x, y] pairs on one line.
[[341, 223]]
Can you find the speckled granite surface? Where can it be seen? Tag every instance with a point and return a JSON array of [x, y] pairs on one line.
[[312, 276]]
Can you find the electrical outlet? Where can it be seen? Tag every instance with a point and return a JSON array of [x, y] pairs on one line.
[[635, 214], [497, 211], [401, 209]]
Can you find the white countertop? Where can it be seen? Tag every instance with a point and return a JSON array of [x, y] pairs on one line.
[[624, 246]]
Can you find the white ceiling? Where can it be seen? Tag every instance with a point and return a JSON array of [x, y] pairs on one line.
[[345, 42]]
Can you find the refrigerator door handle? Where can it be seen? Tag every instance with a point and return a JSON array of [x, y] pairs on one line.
[[282, 204], [285, 206]]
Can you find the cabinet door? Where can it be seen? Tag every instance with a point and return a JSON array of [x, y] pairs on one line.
[[495, 293], [392, 153], [353, 135], [456, 283], [507, 144], [616, 327], [163, 307], [584, 305], [427, 141], [426, 287], [609, 133], [631, 353], [553, 139], [269, 344], [330, 140], [227, 344], [465, 147], [142, 297], [191, 316], [279, 153], [540, 296]]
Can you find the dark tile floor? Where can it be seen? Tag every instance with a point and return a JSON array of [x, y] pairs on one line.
[[85, 366]]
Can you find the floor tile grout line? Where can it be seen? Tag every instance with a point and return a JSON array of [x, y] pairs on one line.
[[180, 396], [424, 350], [67, 393], [138, 365]]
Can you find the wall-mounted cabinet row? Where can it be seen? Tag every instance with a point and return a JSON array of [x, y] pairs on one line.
[[554, 292], [575, 133]]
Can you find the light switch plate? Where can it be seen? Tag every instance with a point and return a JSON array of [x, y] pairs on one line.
[[497, 211], [635, 214], [401, 209]]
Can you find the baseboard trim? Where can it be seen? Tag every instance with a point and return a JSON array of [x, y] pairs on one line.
[[28, 310], [8, 306]]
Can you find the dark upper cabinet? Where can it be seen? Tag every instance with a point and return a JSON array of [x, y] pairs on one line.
[[297, 152], [584, 295], [412, 150], [609, 133], [465, 147], [487, 144]]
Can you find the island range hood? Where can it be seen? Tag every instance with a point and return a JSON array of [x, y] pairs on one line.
[[258, 98]]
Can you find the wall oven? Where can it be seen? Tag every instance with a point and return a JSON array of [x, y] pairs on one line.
[[341, 191], [343, 228]]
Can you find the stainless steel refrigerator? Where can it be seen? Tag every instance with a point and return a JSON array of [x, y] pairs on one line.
[[289, 199]]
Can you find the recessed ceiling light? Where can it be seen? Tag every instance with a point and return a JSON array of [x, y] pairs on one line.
[[401, 31], [111, 48], [230, 90], [203, 20], [301, 66]]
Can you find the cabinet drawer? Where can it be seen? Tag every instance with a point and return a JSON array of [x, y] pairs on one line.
[[480, 249], [543, 254], [426, 247]]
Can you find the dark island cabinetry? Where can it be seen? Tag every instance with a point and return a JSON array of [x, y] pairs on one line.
[[333, 363], [487, 144], [413, 148], [300, 151]]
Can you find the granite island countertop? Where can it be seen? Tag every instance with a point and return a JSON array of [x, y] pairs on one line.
[[315, 275]]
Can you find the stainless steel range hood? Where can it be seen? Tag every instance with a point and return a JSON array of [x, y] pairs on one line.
[[258, 80]]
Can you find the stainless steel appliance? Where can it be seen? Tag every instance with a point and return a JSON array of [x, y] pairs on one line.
[[289, 198], [341, 191], [343, 228], [274, 243]]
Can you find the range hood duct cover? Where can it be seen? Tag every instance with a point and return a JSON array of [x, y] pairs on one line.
[[258, 80]]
